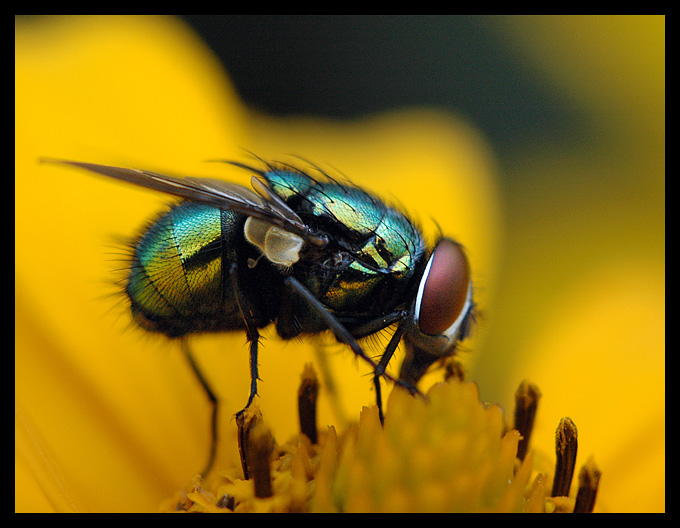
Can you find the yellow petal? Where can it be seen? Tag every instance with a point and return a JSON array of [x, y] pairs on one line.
[[125, 421], [126, 90]]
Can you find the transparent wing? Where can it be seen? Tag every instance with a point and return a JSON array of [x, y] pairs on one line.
[[262, 204]]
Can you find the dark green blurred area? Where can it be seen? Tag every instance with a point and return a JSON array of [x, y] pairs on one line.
[[351, 65]]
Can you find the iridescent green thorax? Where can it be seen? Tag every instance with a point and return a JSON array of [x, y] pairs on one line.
[[375, 250]]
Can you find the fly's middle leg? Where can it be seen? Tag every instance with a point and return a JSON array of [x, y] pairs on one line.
[[252, 335]]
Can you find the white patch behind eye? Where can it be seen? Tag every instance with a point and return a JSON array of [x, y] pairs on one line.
[[421, 289]]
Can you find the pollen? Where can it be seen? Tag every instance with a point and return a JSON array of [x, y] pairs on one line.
[[447, 452]]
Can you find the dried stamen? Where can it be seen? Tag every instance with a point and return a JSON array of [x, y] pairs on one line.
[[526, 404], [588, 481], [566, 446], [245, 421], [227, 502], [307, 395], [255, 444], [260, 449]]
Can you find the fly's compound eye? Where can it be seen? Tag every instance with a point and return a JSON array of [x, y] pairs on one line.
[[444, 291]]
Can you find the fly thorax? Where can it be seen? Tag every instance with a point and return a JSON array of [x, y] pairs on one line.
[[277, 245]]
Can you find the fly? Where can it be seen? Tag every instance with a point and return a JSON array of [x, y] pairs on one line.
[[305, 254]]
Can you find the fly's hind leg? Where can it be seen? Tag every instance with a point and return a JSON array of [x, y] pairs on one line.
[[214, 403]]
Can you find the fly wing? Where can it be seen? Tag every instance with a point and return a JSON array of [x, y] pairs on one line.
[[224, 195], [271, 207]]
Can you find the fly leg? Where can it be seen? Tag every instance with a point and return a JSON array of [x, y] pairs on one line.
[[213, 403], [345, 336], [382, 365], [252, 335], [375, 326]]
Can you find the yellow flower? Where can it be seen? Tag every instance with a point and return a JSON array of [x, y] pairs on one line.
[[446, 452], [107, 419]]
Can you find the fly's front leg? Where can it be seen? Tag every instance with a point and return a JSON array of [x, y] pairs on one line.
[[382, 365], [371, 327], [345, 336], [341, 333]]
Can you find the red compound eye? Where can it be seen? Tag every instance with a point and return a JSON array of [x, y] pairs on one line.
[[443, 289]]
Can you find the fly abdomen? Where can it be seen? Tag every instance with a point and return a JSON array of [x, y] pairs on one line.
[[177, 282]]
